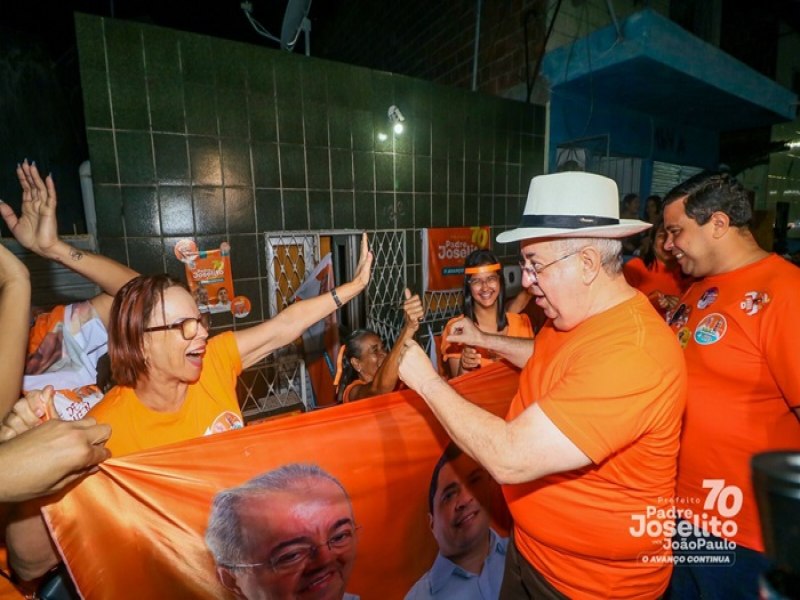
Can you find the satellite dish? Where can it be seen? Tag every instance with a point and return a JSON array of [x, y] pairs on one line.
[[295, 20]]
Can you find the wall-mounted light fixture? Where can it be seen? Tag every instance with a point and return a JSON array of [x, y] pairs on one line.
[[396, 118]]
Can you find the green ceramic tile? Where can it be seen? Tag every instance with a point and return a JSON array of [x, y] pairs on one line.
[[513, 179], [140, 206], [209, 210], [486, 177], [315, 118], [172, 163], [342, 169], [249, 288], [146, 254], [96, 105], [421, 134], [422, 174], [128, 102], [382, 93], [339, 127], [312, 72], [471, 212], [113, 248], [293, 167], [318, 169], [404, 210], [404, 172], [362, 131], [287, 79], [514, 148], [455, 143], [385, 210], [455, 211], [124, 50], [319, 207], [166, 105], [471, 177], [384, 172], [439, 175], [236, 162], [265, 165], [540, 117], [365, 210], [499, 211], [485, 210], [177, 217], [108, 207], [103, 156], [364, 170], [228, 71], [201, 112], [135, 156], [232, 113], [290, 123], [455, 176], [204, 156], [338, 78], [471, 144], [500, 146], [439, 210], [295, 210], [500, 172], [343, 213], [259, 73], [486, 143], [421, 100], [244, 253], [422, 210], [197, 59], [240, 209], [439, 143], [268, 209], [162, 57], [89, 33], [261, 107], [514, 208]]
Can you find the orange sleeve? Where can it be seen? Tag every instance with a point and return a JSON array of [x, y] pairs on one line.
[[779, 344]]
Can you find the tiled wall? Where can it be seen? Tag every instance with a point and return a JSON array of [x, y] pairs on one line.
[[191, 136]]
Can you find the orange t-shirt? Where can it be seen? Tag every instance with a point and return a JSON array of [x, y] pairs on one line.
[[615, 385], [670, 282], [740, 343], [519, 325], [211, 406]]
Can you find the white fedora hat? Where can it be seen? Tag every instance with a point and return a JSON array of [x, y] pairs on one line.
[[572, 204]]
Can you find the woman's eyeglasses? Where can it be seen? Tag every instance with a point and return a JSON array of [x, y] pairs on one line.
[[188, 326]]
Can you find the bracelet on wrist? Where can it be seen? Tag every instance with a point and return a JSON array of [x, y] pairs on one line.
[[336, 299]]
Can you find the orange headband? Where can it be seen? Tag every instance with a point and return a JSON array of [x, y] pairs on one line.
[[339, 368], [482, 269]]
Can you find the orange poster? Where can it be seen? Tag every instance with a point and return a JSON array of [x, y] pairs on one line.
[[208, 274], [136, 528], [444, 251]]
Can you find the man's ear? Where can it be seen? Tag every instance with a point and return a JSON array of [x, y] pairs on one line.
[[591, 263], [228, 581], [430, 520], [720, 223]]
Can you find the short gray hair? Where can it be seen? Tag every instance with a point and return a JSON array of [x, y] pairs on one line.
[[224, 531], [610, 250]]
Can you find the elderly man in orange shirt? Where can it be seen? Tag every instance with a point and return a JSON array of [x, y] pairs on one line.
[[587, 453]]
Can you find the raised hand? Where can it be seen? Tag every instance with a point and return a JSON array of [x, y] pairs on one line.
[[465, 332], [364, 267], [413, 311], [415, 366], [36, 227]]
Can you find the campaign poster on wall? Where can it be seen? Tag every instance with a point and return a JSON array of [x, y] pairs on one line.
[[444, 250], [209, 277], [144, 525]]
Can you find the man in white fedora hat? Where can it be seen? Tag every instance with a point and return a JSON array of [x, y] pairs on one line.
[[587, 452]]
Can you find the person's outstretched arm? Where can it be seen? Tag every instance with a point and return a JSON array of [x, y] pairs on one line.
[[15, 305], [517, 351], [385, 379], [258, 341], [36, 228]]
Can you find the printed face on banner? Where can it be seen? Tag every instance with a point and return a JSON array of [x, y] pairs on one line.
[[299, 543], [460, 518]]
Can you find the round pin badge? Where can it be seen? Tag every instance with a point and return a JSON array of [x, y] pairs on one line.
[[710, 329], [240, 307], [708, 298]]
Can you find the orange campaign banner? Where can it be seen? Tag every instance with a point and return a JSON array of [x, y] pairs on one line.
[[136, 528], [444, 251]]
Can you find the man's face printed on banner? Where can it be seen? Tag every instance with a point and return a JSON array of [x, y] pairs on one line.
[[302, 541], [460, 518]]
